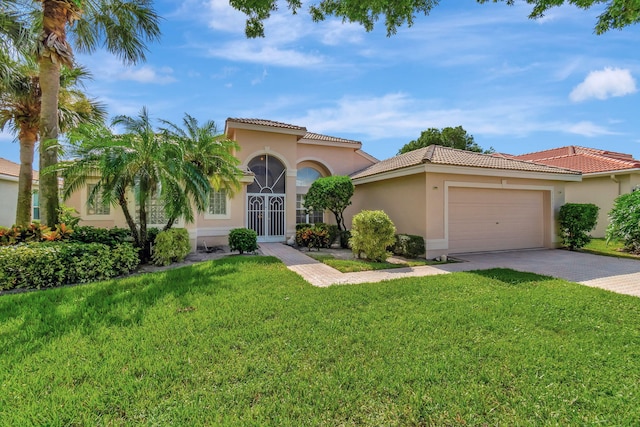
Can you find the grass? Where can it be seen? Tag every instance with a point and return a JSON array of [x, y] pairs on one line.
[[354, 265], [244, 341], [613, 249]]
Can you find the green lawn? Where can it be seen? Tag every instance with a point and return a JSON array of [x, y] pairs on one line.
[[243, 341], [354, 265], [614, 249]]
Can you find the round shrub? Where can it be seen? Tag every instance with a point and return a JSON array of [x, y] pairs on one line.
[[243, 240], [170, 246], [576, 221], [624, 221], [371, 233]]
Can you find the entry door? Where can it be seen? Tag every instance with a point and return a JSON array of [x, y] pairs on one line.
[[265, 215]]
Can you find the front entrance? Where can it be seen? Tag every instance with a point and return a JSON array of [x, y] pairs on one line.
[[266, 199]]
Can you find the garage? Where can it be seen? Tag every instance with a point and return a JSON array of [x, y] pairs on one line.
[[483, 219]]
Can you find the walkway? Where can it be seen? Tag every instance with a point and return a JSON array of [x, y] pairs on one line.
[[614, 274]]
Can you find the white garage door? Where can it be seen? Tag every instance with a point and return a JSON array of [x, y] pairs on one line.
[[491, 220]]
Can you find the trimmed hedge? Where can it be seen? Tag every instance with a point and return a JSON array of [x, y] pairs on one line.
[[42, 265], [171, 245], [576, 220], [408, 245], [371, 233], [107, 236], [243, 240]]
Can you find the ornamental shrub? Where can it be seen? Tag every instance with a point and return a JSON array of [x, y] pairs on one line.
[[243, 240], [107, 236], [576, 221], [371, 233], [313, 237], [624, 221], [334, 232], [345, 236], [408, 245], [41, 265], [170, 246]]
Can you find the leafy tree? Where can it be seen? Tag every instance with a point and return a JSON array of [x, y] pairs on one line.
[[120, 26], [20, 110], [330, 193], [448, 137], [617, 14], [624, 221], [148, 164]]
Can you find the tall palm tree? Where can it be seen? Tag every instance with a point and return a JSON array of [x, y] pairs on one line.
[[149, 164], [121, 26], [20, 111]]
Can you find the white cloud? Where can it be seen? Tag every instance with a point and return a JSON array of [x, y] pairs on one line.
[[603, 84], [261, 53], [588, 129], [260, 79], [147, 74], [105, 66]]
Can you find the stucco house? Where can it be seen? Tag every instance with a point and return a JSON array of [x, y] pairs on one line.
[[457, 200], [9, 173], [605, 176]]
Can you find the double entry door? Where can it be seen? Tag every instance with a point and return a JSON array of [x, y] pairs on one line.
[[265, 215]]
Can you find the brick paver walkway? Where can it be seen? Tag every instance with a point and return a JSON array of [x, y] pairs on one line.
[[614, 274]]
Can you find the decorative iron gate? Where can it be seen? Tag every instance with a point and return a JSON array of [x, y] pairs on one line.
[[266, 199], [265, 215]]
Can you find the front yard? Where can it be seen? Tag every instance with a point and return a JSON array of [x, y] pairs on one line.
[[244, 341]]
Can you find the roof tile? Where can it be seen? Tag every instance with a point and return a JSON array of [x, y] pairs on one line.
[[586, 160], [270, 123], [318, 137], [7, 167]]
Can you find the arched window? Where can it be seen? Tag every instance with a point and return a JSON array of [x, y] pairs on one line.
[[270, 175], [304, 179]]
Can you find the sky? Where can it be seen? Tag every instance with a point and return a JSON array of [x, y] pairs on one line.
[[515, 84]]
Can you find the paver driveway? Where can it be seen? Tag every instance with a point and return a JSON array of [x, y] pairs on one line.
[[614, 274]]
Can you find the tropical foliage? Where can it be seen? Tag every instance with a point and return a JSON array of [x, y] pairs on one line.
[[624, 221], [448, 137], [149, 164], [331, 193]]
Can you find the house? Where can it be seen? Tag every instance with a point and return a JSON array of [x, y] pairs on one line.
[[605, 176], [457, 200], [9, 173], [461, 201]]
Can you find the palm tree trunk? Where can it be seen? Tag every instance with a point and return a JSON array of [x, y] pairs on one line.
[[122, 201], [54, 50], [28, 137]]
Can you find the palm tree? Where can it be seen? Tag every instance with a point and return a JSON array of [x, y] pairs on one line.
[[120, 26], [150, 164], [20, 110]]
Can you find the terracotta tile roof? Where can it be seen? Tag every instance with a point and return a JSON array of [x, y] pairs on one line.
[[436, 154], [7, 167], [270, 123], [318, 137], [583, 159]]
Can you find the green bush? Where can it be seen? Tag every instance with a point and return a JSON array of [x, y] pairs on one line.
[[303, 225], [171, 245], [345, 236], [34, 232], [408, 245], [624, 221], [243, 240], [371, 233], [313, 237], [41, 265], [334, 232], [576, 221], [107, 236]]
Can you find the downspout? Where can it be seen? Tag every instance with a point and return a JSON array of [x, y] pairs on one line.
[[614, 179]]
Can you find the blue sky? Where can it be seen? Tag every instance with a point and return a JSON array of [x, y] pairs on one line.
[[515, 84]]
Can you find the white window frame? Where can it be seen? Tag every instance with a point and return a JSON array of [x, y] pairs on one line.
[[227, 201]]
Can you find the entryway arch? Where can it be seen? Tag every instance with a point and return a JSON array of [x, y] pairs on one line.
[[266, 198]]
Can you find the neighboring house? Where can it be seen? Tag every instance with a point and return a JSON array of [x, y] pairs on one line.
[[461, 201], [605, 176], [9, 172], [457, 200]]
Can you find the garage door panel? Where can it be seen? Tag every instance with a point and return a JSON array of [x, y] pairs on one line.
[[492, 219]]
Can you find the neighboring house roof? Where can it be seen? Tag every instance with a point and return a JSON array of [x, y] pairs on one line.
[[318, 137], [436, 154], [583, 159], [269, 123], [7, 167]]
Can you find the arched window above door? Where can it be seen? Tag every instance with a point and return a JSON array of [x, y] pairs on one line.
[[306, 176], [270, 175]]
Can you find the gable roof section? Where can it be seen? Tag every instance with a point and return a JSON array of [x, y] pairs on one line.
[[326, 138], [267, 123], [9, 168], [586, 160], [435, 154]]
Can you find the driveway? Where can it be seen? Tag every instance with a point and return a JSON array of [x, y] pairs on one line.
[[615, 274]]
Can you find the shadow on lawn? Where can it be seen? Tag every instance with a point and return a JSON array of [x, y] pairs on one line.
[[511, 277], [41, 315]]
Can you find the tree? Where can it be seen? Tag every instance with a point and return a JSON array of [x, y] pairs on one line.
[[617, 13], [121, 26], [331, 193], [148, 164], [448, 137], [20, 110]]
